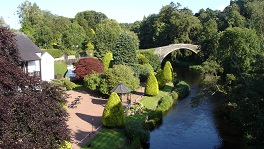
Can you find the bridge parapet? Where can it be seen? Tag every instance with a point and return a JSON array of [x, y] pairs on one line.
[[162, 52]]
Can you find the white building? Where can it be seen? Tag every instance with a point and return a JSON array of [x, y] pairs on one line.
[[33, 60]]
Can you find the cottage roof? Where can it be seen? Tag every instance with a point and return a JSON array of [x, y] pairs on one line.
[[27, 49]]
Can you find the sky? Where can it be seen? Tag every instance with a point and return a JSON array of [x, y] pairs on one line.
[[124, 11]]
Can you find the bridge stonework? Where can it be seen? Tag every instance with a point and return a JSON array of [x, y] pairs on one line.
[[162, 52]]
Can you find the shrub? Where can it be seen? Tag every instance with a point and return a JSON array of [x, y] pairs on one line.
[[119, 73], [197, 68], [160, 79], [92, 81], [167, 72], [165, 103], [87, 66], [65, 83], [182, 88], [142, 59], [152, 87], [157, 116], [153, 59], [113, 115], [134, 129], [66, 146], [60, 68], [150, 124], [108, 57], [174, 95]]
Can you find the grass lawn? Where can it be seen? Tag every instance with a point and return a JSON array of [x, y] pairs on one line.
[[80, 86], [107, 139], [151, 102]]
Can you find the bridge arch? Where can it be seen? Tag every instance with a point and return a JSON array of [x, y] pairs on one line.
[[162, 52]]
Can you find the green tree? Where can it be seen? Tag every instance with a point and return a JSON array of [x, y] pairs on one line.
[[119, 73], [237, 50], [107, 34], [125, 49], [30, 118], [113, 114], [73, 36], [167, 72], [152, 87]]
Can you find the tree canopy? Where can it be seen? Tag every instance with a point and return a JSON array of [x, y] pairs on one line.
[[30, 118]]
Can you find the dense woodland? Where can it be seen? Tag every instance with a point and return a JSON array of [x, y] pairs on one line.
[[231, 43]]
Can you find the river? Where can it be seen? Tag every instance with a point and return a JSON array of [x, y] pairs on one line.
[[185, 127]]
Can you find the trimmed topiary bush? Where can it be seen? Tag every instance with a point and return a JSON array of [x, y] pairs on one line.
[[160, 79], [87, 66], [108, 57], [142, 59], [113, 115], [152, 87], [167, 72]]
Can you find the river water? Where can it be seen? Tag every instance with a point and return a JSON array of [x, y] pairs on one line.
[[185, 127]]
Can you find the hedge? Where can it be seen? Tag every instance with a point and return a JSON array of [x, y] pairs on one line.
[[182, 88], [60, 68]]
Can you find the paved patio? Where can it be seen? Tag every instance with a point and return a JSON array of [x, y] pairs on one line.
[[85, 119]]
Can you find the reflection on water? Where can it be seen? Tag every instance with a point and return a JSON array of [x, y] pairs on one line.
[[185, 127]]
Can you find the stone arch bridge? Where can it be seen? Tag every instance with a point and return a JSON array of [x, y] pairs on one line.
[[162, 52]]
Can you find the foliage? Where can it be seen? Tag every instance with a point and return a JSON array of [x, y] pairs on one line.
[[142, 59], [182, 89], [156, 115], [36, 117], [113, 114], [60, 68], [92, 81], [197, 68], [174, 95], [119, 73], [107, 33], [124, 51], [167, 72], [66, 146], [108, 57], [165, 103], [160, 79], [153, 59], [65, 83], [134, 129], [152, 87], [87, 66]]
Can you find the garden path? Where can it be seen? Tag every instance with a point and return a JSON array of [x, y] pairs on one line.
[[85, 120]]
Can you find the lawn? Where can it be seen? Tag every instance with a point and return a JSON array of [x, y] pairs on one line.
[[107, 139], [151, 102]]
